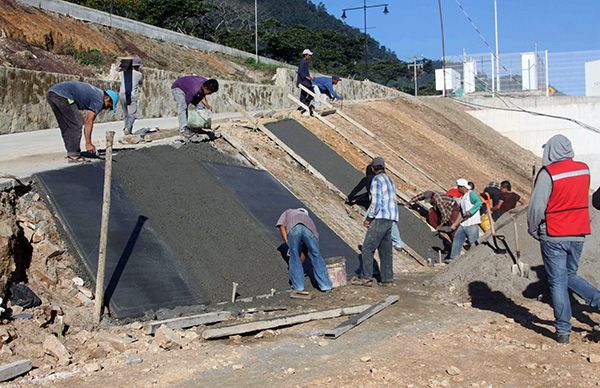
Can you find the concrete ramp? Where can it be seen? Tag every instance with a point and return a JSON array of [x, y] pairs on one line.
[[415, 232], [142, 272]]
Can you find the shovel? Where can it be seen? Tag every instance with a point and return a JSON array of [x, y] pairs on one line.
[[518, 267]]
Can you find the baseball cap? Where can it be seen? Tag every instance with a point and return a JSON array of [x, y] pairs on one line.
[[136, 62], [462, 182], [336, 78], [114, 97], [303, 210], [378, 162], [307, 52]]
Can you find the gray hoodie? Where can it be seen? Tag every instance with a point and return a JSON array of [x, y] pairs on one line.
[[557, 148]]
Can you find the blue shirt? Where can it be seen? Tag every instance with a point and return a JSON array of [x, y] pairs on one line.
[[325, 85], [383, 199], [86, 96], [303, 72]]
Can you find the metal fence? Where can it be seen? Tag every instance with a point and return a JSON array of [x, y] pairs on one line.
[[536, 72]]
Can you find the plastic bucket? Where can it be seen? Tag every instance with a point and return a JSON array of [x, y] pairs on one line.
[[336, 268]]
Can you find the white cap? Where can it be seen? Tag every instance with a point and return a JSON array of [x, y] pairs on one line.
[[462, 182], [307, 52]]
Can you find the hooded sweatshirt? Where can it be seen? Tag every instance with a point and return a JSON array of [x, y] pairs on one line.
[[556, 149]]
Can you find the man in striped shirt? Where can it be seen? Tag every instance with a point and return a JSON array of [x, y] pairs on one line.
[[379, 218]]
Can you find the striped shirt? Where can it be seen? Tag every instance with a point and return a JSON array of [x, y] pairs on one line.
[[383, 199]]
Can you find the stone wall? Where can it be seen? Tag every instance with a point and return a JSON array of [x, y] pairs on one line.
[[23, 105]]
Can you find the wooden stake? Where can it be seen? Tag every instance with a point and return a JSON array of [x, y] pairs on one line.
[[357, 320], [98, 305]]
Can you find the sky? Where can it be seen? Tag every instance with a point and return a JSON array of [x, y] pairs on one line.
[[413, 26]]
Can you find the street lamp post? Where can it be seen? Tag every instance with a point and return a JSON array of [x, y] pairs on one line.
[[416, 66], [364, 8], [256, 30]]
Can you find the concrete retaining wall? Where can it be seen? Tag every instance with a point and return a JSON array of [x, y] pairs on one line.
[[106, 19], [23, 105], [531, 131]]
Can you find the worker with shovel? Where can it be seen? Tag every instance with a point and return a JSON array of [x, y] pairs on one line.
[[558, 216], [66, 99]]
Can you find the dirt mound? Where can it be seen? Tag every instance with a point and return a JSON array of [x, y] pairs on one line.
[[482, 265]]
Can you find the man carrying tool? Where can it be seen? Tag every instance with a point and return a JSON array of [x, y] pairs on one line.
[[323, 88], [193, 90], [305, 80], [131, 80], [379, 219], [297, 229], [66, 100], [558, 216], [468, 230]]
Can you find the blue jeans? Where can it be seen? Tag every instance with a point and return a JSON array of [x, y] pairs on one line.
[[462, 234], [561, 261], [396, 240], [299, 235], [378, 237]]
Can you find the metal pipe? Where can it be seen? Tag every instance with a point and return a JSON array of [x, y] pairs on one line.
[[497, 52], [443, 47], [547, 78], [256, 30]]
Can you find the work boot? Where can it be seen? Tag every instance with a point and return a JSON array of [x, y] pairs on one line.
[[562, 338], [186, 132], [126, 131]]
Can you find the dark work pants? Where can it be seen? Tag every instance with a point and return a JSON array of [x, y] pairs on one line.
[[306, 98], [378, 237], [69, 122]]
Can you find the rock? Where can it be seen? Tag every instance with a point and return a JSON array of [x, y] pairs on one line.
[[83, 336], [237, 366], [530, 346], [532, 365], [119, 343], [84, 299], [136, 325], [133, 359], [77, 281], [236, 339], [35, 197], [167, 339], [55, 348], [6, 335], [130, 139], [92, 367], [323, 343], [38, 236], [365, 359], [453, 371], [87, 292], [290, 371], [16, 310], [594, 358]]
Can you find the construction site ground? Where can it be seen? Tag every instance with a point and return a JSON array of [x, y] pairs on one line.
[[434, 336]]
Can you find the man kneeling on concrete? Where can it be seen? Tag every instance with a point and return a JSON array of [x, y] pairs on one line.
[[192, 90], [66, 100], [298, 229]]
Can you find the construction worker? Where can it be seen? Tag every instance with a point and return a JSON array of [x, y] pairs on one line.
[[558, 217], [131, 80], [323, 88], [507, 201], [66, 100], [297, 229], [444, 210], [305, 80], [379, 219], [193, 90], [467, 226]]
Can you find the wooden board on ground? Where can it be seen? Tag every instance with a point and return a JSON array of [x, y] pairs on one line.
[[357, 320], [287, 320], [190, 321], [14, 369]]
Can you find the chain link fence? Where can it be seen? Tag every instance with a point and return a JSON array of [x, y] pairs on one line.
[[536, 72]]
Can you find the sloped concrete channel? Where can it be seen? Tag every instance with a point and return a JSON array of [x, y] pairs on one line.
[[184, 225], [344, 176]]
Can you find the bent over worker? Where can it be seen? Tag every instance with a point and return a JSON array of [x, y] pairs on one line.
[[298, 229], [558, 217], [66, 100], [191, 89]]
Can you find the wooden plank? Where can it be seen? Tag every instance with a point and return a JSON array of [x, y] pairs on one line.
[[371, 134], [412, 253], [355, 321], [239, 148], [244, 113], [288, 320], [14, 369], [189, 321]]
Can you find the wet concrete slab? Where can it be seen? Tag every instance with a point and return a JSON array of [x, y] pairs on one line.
[[142, 271], [415, 232], [265, 198]]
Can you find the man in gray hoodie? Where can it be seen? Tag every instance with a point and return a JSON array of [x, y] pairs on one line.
[[558, 216]]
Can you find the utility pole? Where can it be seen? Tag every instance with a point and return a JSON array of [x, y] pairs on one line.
[[497, 52], [443, 47], [364, 8], [416, 66], [256, 30]]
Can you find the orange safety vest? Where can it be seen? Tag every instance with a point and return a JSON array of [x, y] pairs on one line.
[[567, 212]]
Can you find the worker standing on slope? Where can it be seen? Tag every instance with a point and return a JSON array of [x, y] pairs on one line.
[[305, 80], [131, 80], [470, 203], [558, 217], [66, 100], [192, 90], [297, 229]]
